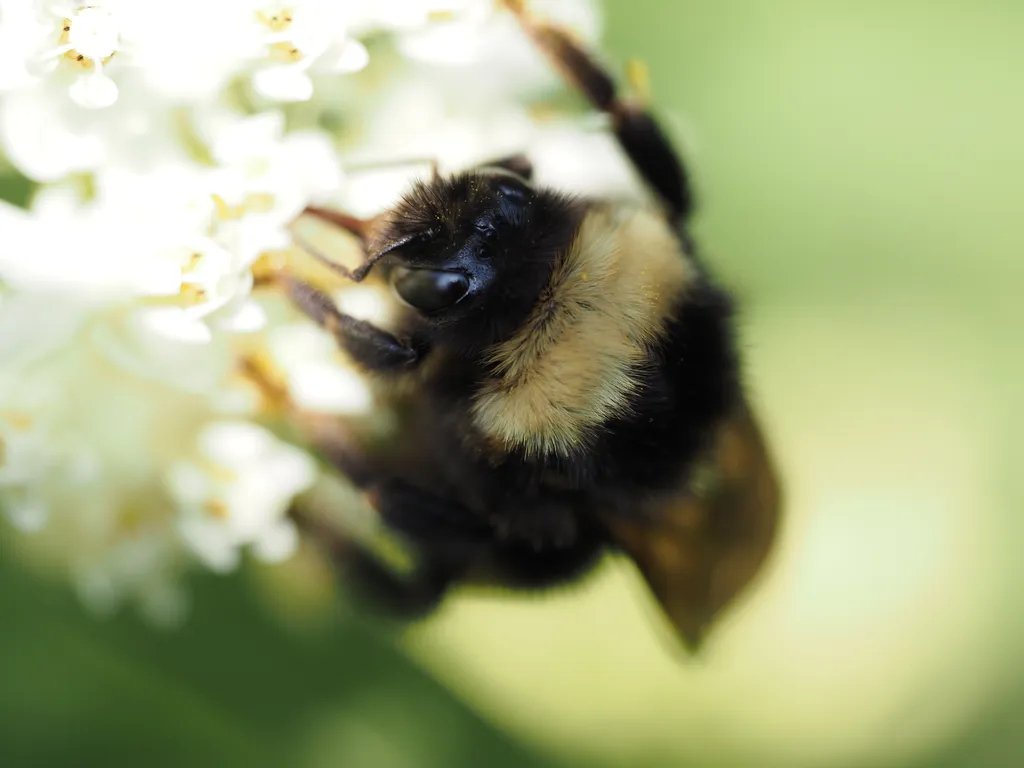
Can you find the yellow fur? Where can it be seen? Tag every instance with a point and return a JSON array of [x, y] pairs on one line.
[[576, 361]]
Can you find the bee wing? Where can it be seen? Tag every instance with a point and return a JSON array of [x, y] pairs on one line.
[[699, 549]]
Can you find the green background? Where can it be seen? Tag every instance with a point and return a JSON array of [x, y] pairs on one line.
[[854, 159]]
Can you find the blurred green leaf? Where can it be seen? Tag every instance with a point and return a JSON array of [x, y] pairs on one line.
[[15, 188], [232, 687]]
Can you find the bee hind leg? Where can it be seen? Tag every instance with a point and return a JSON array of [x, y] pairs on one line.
[[519, 164], [381, 590], [639, 135]]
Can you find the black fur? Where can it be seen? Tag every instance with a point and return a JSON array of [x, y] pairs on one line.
[[524, 522], [477, 512]]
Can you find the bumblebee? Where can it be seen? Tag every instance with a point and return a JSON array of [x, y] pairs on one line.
[[569, 383]]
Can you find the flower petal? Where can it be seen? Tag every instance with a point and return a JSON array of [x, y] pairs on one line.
[[175, 323], [283, 84], [277, 543], [329, 388], [27, 513], [210, 541], [351, 56], [94, 91], [250, 318]]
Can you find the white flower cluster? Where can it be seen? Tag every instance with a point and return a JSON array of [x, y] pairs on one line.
[[169, 146]]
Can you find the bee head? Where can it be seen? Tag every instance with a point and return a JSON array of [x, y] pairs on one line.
[[471, 253]]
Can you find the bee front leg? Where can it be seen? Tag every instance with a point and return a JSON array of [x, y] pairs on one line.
[[370, 347]]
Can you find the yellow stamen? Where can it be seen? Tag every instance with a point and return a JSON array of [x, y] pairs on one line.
[[217, 509], [73, 56], [276, 22], [259, 371], [19, 421], [192, 293], [256, 202], [440, 15], [269, 266], [285, 52], [220, 473], [224, 211]]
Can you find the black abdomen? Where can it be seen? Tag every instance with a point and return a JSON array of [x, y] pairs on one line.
[[693, 384]]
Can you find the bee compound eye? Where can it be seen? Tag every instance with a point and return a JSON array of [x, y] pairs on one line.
[[429, 290], [512, 189], [485, 228]]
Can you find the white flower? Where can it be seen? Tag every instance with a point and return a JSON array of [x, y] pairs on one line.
[[482, 44], [145, 569], [265, 179], [80, 41], [203, 251], [32, 451], [91, 251], [237, 492], [35, 326], [271, 174], [189, 50], [128, 281], [48, 136], [25, 461], [316, 378], [303, 36], [181, 233]]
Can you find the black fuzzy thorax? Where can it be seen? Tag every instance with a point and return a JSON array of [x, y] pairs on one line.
[[689, 383]]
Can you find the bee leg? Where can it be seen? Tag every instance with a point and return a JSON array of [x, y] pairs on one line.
[[446, 537], [380, 588], [639, 135], [358, 227], [519, 164], [406, 594], [369, 346], [427, 519]]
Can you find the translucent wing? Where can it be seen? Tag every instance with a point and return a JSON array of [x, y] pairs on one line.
[[699, 549]]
